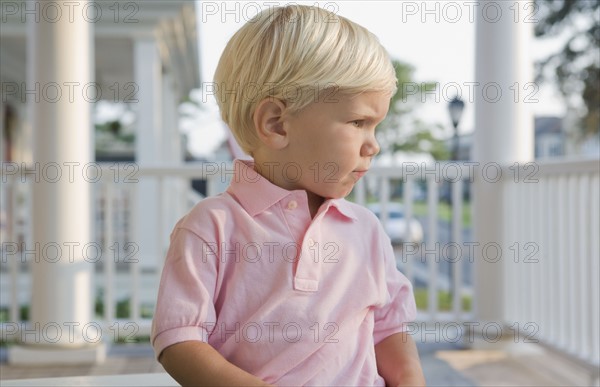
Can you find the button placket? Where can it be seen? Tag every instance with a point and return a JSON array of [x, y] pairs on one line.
[[308, 270]]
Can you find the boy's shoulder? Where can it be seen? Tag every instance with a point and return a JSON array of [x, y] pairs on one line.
[[209, 213], [366, 217], [363, 216]]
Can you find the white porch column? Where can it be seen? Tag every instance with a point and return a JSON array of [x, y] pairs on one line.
[[174, 200], [148, 77], [60, 63], [171, 136], [148, 148], [3, 144], [175, 188], [503, 134]]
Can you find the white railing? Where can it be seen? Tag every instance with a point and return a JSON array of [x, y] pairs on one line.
[[558, 215], [551, 280], [119, 277]]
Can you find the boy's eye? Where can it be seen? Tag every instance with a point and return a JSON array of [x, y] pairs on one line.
[[357, 123]]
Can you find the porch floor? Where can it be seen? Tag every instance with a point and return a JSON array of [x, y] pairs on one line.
[[444, 365]]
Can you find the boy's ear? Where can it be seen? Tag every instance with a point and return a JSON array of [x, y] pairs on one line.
[[269, 123]]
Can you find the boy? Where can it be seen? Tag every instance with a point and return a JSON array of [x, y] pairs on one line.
[[279, 280]]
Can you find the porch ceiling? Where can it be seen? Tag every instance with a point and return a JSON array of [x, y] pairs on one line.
[[114, 45]]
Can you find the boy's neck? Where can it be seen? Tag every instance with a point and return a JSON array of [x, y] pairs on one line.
[[314, 203], [269, 171]]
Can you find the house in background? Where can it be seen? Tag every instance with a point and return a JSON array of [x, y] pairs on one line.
[[549, 137]]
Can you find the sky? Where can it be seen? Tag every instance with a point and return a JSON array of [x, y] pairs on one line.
[[436, 37]]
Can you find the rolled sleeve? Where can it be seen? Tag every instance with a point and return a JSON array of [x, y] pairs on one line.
[[177, 335], [393, 316], [185, 304]]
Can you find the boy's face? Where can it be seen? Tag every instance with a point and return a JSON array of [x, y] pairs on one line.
[[333, 142]]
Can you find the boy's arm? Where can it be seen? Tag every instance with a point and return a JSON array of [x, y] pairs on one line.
[[195, 363], [398, 361]]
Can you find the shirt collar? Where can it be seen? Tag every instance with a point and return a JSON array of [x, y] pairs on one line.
[[256, 194], [342, 206]]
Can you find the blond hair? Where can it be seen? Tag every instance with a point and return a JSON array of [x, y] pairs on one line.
[[297, 54]]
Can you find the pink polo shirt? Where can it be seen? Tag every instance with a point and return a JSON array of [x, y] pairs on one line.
[[290, 299]]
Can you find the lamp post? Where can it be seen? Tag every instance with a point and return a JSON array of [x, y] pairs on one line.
[[455, 107]]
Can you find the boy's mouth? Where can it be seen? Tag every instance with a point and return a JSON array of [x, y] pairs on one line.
[[359, 173]]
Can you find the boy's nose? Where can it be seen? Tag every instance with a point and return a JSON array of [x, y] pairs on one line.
[[370, 147]]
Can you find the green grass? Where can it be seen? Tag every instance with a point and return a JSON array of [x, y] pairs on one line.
[[444, 300], [23, 311], [123, 308]]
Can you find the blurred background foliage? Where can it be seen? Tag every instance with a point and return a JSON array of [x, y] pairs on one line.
[[402, 130], [575, 68]]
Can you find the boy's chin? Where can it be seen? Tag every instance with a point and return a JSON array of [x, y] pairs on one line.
[[339, 195]]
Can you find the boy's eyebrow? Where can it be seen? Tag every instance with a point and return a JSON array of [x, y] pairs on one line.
[[371, 115]]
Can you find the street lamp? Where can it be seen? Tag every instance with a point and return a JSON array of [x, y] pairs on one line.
[[455, 107]]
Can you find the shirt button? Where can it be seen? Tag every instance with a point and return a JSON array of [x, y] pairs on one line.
[[292, 205]]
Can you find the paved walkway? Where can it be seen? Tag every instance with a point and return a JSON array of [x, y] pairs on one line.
[[444, 365]]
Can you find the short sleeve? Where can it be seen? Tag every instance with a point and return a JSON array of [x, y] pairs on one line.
[[185, 308], [393, 316]]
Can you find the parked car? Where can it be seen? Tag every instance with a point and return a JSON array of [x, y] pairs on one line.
[[396, 225]]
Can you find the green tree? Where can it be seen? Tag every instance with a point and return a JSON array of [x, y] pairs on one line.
[[401, 130], [576, 67]]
